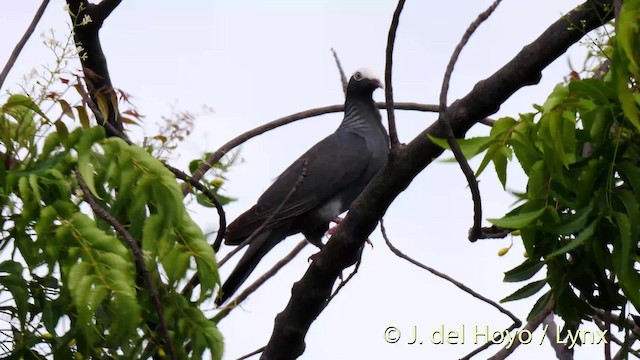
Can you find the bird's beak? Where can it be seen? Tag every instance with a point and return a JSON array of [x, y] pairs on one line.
[[379, 84]]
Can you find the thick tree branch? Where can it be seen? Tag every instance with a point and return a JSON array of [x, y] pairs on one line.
[[388, 89], [27, 34], [309, 294], [94, 63]]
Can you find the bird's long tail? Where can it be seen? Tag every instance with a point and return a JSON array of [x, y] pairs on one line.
[[258, 248]]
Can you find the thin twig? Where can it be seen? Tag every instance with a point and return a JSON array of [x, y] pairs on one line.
[[27, 34], [615, 319], [345, 281], [530, 327], [343, 77], [222, 226], [255, 352], [474, 233], [516, 322], [388, 88], [138, 258], [446, 277], [259, 282], [494, 232], [242, 138]]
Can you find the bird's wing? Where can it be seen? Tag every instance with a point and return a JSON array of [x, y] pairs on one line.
[[333, 164]]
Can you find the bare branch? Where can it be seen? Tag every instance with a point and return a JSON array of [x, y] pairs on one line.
[[494, 232], [343, 77], [309, 294], [255, 352], [561, 350], [138, 258], [530, 327], [388, 87], [259, 282], [475, 232], [242, 138], [516, 322], [346, 281], [27, 34]]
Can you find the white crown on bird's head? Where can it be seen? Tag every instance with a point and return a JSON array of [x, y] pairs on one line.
[[368, 73]]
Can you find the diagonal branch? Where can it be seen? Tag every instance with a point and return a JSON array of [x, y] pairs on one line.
[[309, 294], [516, 322], [138, 258], [259, 282], [530, 327], [27, 34], [475, 231], [388, 87]]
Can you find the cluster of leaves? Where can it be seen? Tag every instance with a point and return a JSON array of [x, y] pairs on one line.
[[579, 215], [72, 280], [215, 178]]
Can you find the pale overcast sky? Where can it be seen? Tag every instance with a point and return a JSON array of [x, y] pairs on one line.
[[254, 61]]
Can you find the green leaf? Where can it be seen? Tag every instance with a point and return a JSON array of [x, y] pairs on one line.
[[518, 221], [66, 108], [631, 174], [526, 291], [502, 126], [625, 247], [90, 137], [524, 271], [573, 223], [491, 153], [500, 164], [540, 305], [17, 285], [18, 100], [557, 97], [586, 234], [84, 117], [470, 147]]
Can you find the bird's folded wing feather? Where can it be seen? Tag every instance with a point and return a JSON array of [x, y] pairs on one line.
[[336, 162]]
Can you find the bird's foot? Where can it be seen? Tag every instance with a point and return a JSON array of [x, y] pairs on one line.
[[333, 229]]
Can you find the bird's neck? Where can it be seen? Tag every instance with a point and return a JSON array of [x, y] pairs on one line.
[[360, 113]]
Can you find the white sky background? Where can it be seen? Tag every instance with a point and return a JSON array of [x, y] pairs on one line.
[[254, 61]]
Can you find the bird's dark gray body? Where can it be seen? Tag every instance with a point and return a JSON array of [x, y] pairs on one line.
[[337, 170]]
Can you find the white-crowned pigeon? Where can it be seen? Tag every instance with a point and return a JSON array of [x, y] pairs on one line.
[[336, 171]]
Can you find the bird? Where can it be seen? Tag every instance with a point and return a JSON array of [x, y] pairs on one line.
[[318, 186]]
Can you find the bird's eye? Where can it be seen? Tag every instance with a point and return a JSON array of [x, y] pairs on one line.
[[357, 76]]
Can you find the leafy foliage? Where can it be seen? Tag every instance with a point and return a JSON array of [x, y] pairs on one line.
[[67, 268], [578, 217]]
